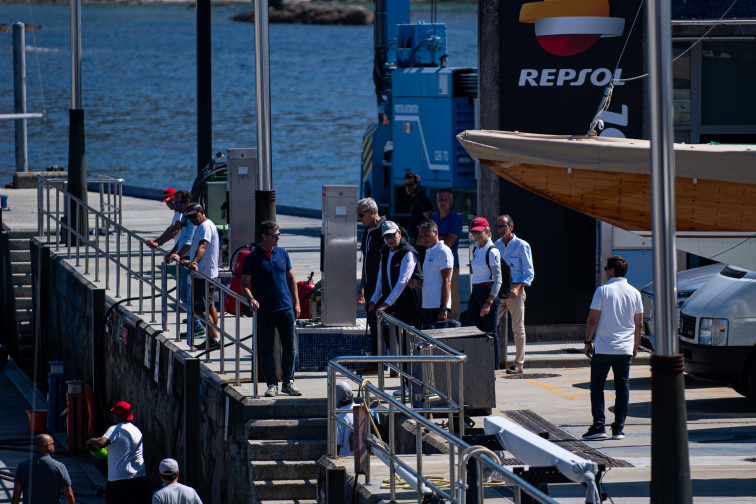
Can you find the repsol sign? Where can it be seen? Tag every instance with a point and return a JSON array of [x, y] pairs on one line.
[[548, 77]]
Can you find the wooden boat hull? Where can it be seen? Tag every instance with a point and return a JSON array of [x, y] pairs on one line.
[[624, 199]]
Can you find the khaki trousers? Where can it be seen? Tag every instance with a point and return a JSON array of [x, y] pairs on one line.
[[456, 309], [516, 308]]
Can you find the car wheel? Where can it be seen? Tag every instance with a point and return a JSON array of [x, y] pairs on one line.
[[751, 380], [741, 388]]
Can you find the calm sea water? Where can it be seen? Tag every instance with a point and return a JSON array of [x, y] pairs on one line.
[[139, 95]]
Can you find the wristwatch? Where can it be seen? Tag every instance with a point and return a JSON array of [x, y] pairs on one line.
[[447, 310]]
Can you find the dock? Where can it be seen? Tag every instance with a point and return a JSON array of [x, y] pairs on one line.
[[141, 354]]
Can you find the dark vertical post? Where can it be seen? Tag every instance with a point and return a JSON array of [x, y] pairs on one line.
[[204, 85], [192, 458], [265, 209], [490, 75], [77, 166]]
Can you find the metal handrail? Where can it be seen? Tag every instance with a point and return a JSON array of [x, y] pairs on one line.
[[406, 332], [459, 451], [70, 227]]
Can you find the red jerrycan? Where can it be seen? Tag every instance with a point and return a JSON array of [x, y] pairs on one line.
[[304, 291], [229, 304]]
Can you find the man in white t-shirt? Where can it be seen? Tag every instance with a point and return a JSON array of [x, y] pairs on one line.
[[127, 479], [173, 492], [172, 230], [612, 336], [203, 257], [437, 274]]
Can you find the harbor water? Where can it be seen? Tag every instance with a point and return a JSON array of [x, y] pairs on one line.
[[139, 91]]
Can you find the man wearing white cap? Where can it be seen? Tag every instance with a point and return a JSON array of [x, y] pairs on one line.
[[344, 436], [173, 492], [399, 265]]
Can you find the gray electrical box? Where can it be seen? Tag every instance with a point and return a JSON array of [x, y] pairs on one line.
[[477, 371], [242, 184], [339, 255]]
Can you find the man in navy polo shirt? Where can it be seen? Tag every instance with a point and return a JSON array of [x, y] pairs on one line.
[[268, 283]]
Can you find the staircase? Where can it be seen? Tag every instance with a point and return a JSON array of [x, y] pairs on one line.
[[20, 257], [286, 436]]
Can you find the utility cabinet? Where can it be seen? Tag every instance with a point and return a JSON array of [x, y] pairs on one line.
[[479, 385], [338, 259]]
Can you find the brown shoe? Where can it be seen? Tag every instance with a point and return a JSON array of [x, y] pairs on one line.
[[514, 370]]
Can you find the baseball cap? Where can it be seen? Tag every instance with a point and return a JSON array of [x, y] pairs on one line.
[[168, 468], [478, 224], [193, 208], [389, 227], [123, 410], [343, 393], [168, 194]]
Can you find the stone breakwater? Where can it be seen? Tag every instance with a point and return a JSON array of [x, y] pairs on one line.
[[297, 12]]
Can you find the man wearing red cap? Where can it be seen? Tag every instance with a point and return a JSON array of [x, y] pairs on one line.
[[127, 479], [174, 228]]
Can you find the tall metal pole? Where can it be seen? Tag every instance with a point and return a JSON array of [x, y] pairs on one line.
[[204, 85], [19, 94], [262, 88], [77, 167], [670, 469], [265, 196]]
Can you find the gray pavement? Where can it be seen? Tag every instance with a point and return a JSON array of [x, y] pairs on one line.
[[721, 424]]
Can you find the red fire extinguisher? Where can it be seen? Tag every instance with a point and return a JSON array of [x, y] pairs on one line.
[[229, 304], [304, 291]]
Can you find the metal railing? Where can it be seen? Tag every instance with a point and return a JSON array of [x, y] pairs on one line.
[[95, 240], [451, 485]]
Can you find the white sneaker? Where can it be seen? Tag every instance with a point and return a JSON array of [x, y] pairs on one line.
[[272, 391]]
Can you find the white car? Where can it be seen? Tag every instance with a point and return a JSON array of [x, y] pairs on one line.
[[718, 330], [688, 282]]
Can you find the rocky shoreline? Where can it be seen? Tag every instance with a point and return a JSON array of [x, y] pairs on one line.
[[303, 12]]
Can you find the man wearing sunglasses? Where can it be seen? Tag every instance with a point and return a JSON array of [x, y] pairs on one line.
[[399, 266], [612, 336], [268, 283], [372, 243], [420, 209], [171, 230]]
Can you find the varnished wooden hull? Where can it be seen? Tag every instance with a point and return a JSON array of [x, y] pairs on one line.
[[624, 199]]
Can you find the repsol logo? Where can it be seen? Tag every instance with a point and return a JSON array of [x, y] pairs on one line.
[[549, 77]]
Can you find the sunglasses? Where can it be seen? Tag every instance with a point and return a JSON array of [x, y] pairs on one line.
[[360, 214], [389, 236], [178, 203], [476, 232], [502, 225], [607, 268], [273, 235], [410, 184]]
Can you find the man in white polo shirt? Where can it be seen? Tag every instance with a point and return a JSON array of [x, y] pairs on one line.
[[612, 336], [437, 273]]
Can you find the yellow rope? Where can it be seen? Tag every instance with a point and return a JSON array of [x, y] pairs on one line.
[[441, 482]]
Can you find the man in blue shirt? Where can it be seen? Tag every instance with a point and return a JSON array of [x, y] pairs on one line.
[[449, 230], [516, 253], [268, 283]]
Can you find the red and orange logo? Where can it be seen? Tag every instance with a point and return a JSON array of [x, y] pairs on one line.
[[569, 27]]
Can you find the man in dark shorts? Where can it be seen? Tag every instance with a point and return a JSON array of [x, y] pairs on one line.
[[203, 255], [268, 283]]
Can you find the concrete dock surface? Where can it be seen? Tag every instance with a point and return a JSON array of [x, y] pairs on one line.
[[555, 388]]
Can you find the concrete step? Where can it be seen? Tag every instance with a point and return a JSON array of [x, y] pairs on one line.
[[24, 303], [286, 450], [21, 278], [295, 501], [285, 489], [25, 327], [294, 428], [284, 469], [20, 256], [18, 243], [300, 407], [21, 267], [26, 340], [25, 315], [21, 291]]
